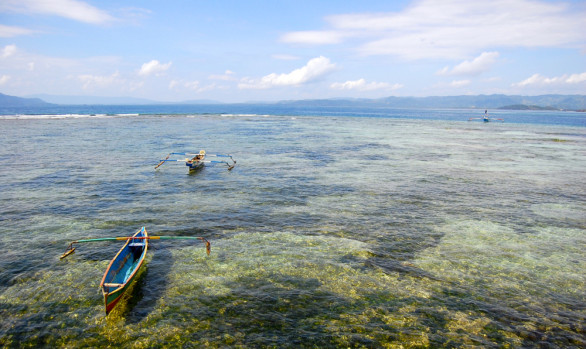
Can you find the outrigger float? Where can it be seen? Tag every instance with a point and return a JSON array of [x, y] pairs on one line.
[[196, 161], [487, 118], [124, 267]]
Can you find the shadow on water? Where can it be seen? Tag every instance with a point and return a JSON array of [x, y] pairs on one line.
[[394, 251], [403, 268], [534, 324], [291, 312], [280, 311], [132, 296], [150, 286]]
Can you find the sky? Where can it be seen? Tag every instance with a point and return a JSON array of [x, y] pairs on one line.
[[242, 51]]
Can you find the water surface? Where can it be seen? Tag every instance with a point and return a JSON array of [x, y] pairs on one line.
[[331, 231]]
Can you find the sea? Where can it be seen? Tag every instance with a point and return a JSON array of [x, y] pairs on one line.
[[337, 227]]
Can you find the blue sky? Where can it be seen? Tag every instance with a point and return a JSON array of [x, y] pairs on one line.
[[235, 51]]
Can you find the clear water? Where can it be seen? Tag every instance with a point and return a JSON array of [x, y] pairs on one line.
[[329, 232]]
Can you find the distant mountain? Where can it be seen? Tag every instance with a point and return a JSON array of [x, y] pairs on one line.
[[557, 102], [526, 107], [11, 102], [198, 101], [93, 100], [497, 101]]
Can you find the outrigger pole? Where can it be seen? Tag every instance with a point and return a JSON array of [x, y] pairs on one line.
[[162, 162], [70, 249], [230, 166]]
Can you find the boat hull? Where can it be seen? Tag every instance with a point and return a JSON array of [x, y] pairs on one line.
[[195, 166], [123, 269], [197, 162]]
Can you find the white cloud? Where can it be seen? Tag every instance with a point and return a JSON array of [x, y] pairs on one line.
[[453, 29], [227, 76], [173, 84], [459, 83], [90, 81], [72, 9], [576, 78], [8, 51], [211, 87], [4, 79], [285, 57], [313, 37], [493, 79], [181, 85], [477, 66], [540, 80], [192, 85], [153, 67], [313, 70], [9, 32], [362, 85]]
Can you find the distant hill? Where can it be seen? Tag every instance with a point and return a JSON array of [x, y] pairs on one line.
[[497, 101], [199, 101], [552, 102], [95, 100], [526, 107], [11, 102]]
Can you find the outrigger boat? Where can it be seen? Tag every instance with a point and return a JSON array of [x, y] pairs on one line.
[[196, 161], [124, 267], [486, 118]]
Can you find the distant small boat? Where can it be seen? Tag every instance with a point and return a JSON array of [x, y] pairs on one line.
[[124, 268], [197, 161], [486, 118]]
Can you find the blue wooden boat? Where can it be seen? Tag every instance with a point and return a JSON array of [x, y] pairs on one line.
[[123, 268]]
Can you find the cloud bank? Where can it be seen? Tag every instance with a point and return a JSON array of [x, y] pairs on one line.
[[539, 80], [452, 29]]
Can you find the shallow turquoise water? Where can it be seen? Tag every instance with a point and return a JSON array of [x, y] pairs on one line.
[[330, 232]]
